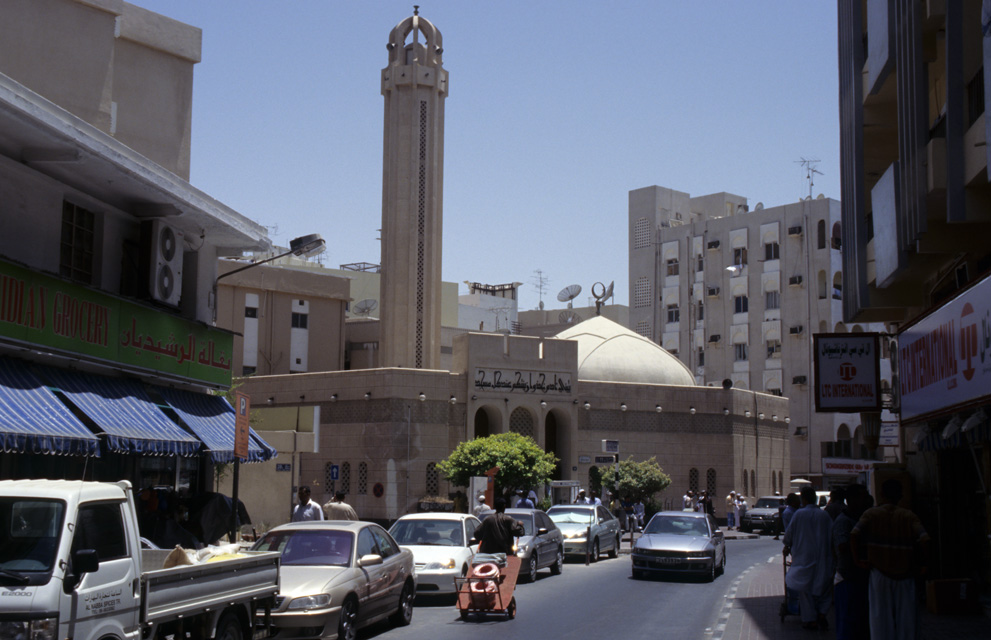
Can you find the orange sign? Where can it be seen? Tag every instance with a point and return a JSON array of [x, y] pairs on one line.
[[241, 428]]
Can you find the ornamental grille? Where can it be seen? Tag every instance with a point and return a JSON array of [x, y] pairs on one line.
[[362, 478], [710, 481], [693, 480], [641, 293], [781, 481], [328, 481], [641, 235], [774, 482], [421, 213], [753, 481], [433, 481], [521, 422], [346, 478], [643, 328], [746, 484]]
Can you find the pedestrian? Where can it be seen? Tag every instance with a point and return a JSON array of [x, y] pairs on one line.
[[896, 546], [808, 539], [480, 505], [527, 502], [337, 509], [496, 533], [688, 501], [582, 498], [306, 509], [638, 511], [850, 591], [835, 505], [731, 510], [595, 499], [792, 504]]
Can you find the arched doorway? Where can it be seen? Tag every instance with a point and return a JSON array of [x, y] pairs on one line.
[[556, 440], [487, 422]]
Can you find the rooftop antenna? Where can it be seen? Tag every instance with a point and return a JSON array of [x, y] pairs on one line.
[[540, 280], [810, 171], [569, 293]]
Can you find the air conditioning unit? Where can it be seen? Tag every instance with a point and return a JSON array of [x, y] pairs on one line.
[[714, 338], [714, 244], [712, 292], [164, 263], [799, 380], [794, 231], [796, 330], [795, 280]]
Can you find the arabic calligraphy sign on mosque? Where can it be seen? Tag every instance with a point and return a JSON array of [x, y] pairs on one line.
[[847, 370], [519, 381], [37, 309]]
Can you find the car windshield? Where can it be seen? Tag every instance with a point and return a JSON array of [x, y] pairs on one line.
[[319, 547], [29, 533], [677, 525], [574, 515], [768, 503], [525, 519], [417, 531]]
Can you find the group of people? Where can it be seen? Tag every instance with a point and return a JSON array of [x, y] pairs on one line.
[[701, 502], [862, 558], [308, 509]]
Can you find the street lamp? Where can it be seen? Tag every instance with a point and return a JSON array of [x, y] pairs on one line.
[[303, 247]]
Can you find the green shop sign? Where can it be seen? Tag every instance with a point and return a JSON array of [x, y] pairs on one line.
[[42, 310]]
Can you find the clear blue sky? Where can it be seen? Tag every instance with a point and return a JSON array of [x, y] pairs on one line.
[[557, 109]]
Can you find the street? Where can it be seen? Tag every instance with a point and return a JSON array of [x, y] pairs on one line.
[[598, 600]]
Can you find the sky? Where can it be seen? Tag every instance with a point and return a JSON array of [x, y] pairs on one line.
[[557, 109]]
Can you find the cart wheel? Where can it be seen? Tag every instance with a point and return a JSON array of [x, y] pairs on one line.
[[511, 610]]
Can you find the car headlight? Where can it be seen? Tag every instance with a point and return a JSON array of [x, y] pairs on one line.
[[310, 602], [449, 563], [699, 555], [520, 549], [44, 629]]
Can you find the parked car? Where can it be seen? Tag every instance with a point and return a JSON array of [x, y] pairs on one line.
[[339, 576], [541, 546], [575, 520], [764, 515], [680, 542], [441, 546]]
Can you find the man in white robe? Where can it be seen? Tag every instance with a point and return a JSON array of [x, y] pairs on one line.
[[808, 539]]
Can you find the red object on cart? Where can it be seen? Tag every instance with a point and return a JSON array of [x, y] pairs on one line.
[[484, 591]]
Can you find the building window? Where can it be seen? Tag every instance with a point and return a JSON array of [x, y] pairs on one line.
[[740, 256], [740, 352], [710, 482], [251, 312], [674, 314], [433, 480], [699, 264], [753, 481], [746, 485], [328, 478], [775, 392], [773, 348], [772, 299], [641, 235], [701, 357], [248, 371], [693, 480], [76, 248], [672, 267], [362, 478], [821, 234], [346, 477], [740, 304], [641, 293], [643, 328], [701, 311], [772, 251], [299, 320]]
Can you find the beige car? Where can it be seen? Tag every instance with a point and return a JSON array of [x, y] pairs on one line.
[[337, 577]]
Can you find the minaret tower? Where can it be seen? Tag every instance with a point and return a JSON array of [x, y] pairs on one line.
[[414, 85]]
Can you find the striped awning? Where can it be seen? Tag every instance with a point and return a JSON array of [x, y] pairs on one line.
[[33, 420], [131, 422], [211, 418], [935, 441]]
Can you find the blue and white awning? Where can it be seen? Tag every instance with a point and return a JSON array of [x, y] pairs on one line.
[[121, 408], [211, 418], [33, 420]]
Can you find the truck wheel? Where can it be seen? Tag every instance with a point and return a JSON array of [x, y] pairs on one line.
[[404, 615], [229, 628], [347, 628]]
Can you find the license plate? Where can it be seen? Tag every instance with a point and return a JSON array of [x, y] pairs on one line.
[[668, 560]]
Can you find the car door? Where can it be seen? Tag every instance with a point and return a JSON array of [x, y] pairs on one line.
[[609, 528], [471, 523], [394, 570], [376, 576], [546, 546], [718, 540]]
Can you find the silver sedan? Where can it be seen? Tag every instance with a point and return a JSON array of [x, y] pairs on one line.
[[586, 529], [680, 542], [337, 577]]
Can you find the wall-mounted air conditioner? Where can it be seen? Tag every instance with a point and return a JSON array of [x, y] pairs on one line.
[[796, 330], [714, 244], [164, 262], [714, 338], [799, 380], [794, 231], [712, 292], [795, 280]]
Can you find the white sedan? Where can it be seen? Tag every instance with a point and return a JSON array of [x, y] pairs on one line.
[[441, 546]]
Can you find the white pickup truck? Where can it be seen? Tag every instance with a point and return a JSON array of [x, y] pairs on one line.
[[71, 566]]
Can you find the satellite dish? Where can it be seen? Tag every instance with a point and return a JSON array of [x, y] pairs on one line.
[[569, 317], [569, 293], [608, 293], [366, 306], [758, 206], [821, 196]]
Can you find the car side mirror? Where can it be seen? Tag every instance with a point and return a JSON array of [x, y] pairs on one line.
[[542, 531], [83, 561], [369, 560]]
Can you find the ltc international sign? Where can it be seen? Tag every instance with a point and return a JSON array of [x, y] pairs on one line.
[[847, 368]]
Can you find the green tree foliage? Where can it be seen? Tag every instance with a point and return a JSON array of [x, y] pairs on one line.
[[522, 464], [636, 480]]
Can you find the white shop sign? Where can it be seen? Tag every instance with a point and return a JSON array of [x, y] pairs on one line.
[[845, 466]]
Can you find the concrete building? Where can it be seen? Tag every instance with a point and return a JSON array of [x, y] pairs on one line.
[[738, 294], [108, 256], [915, 144]]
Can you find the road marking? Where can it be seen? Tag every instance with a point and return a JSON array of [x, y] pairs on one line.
[[716, 632]]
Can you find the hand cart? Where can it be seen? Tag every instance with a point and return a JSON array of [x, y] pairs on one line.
[[488, 589]]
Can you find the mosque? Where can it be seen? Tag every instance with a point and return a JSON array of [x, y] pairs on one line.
[[378, 433]]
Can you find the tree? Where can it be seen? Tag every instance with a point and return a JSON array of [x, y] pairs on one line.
[[636, 480], [522, 463]]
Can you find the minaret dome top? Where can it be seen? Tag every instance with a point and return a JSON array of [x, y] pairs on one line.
[[432, 45]]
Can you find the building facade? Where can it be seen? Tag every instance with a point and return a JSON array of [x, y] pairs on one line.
[[914, 141], [738, 294]]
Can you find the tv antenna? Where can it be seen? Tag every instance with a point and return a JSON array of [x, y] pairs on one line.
[[810, 171], [365, 307], [569, 293], [540, 281]]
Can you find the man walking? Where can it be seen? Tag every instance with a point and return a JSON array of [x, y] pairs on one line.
[[850, 593], [497, 532], [896, 546], [306, 509], [337, 509], [808, 539]]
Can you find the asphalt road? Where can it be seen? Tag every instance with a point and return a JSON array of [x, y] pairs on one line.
[[596, 601]]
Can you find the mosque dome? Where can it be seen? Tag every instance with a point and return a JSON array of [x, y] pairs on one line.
[[609, 352]]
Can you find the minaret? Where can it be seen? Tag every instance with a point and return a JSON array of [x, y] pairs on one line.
[[414, 85]]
